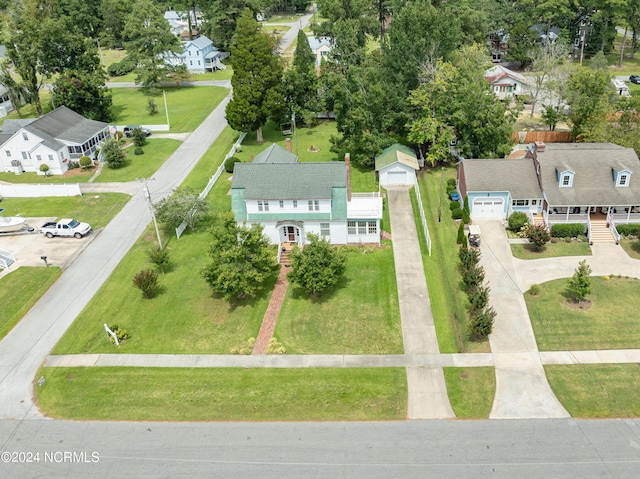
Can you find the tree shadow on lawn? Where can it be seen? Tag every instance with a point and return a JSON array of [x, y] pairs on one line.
[[301, 293], [531, 248], [635, 246], [263, 293]]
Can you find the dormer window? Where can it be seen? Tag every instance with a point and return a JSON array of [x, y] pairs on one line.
[[622, 178], [565, 179]]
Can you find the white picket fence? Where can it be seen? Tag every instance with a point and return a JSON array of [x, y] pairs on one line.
[[212, 181], [423, 219], [32, 190]]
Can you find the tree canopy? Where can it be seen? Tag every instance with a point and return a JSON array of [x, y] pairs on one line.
[[317, 266]]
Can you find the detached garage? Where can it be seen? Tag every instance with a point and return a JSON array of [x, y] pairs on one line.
[[397, 165]]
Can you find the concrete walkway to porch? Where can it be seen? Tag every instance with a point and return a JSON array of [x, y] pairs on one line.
[[427, 398]]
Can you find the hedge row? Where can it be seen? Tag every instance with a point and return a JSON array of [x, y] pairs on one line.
[[628, 230], [567, 230]]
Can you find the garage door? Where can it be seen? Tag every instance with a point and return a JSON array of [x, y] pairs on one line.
[[488, 208], [397, 178]]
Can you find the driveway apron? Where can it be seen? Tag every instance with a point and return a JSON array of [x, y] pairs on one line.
[[427, 390], [522, 390]]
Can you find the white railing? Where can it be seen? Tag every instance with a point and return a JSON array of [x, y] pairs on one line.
[[588, 229], [612, 226], [423, 219], [212, 181], [567, 218], [279, 256], [625, 217], [373, 194]]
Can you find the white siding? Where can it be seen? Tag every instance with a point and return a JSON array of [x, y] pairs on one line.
[[397, 173]]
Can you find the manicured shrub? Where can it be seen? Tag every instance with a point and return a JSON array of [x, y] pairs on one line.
[[138, 137], [567, 230], [138, 151], [160, 258], [454, 205], [147, 282], [84, 162], [451, 182], [460, 239], [229, 162], [517, 220], [45, 169], [469, 258], [534, 290], [473, 278], [481, 323], [478, 299], [456, 214], [120, 333], [628, 230], [121, 68], [538, 236], [466, 211]]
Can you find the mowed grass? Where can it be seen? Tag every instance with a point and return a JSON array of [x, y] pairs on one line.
[[188, 106], [173, 394], [76, 175], [631, 247], [551, 250], [611, 322], [19, 291], [156, 152], [596, 390], [471, 391], [448, 301], [97, 210], [360, 315]]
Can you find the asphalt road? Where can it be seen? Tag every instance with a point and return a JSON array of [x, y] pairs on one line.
[[411, 449]]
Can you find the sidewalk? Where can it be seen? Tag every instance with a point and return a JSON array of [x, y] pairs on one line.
[[427, 398]]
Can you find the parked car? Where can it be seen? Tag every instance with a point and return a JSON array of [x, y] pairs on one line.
[[635, 79], [128, 130], [65, 227]]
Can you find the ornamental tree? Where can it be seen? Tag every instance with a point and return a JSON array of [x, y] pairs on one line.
[[317, 266], [580, 283]]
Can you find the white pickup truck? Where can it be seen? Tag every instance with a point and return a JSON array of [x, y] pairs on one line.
[[65, 227]]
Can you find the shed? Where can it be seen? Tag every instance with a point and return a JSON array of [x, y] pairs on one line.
[[397, 165]]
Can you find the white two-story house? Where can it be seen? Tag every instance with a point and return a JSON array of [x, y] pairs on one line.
[[292, 199], [54, 139], [198, 56]]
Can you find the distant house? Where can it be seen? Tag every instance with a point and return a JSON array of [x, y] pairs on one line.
[[291, 200], [199, 56], [397, 165], [506, 83], [586, 183], [54, 139], [497, 43], [321, 47]]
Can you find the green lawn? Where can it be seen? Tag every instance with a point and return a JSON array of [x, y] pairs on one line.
[[97, 210], [172, 394], [188, 106], [610, 323], [19, 291], [631, 247], [156, 152], [280, 19], [551, 250], [359, 316], [448, 301], [597, 390], [471, 391]]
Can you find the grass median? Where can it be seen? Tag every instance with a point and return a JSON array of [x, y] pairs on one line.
[[181, 394], [471, 391], [551, 250]]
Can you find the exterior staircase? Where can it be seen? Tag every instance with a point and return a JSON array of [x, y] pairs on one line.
[[538, 219], [600, 232], [285, 260]]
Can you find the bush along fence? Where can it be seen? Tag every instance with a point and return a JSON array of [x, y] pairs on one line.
[[481, 315], [212, 181]]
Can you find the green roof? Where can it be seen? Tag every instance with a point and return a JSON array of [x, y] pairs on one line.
[[275, 154], [288, 181], [397, 153]]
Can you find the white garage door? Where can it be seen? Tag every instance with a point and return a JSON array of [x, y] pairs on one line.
[[397, 178], [488, 208]]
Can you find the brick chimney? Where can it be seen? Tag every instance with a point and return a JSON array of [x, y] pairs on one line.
[[288, 142], [539, 145], [347, 162]]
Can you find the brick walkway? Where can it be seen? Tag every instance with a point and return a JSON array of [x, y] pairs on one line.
[[272, 313]]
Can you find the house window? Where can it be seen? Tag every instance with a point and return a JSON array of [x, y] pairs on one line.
[[24, 155], [8, 153], [281, 204], [324, 230], [314, 205], [351, 227], [38, 157], [372, 227], [189, 52], [198, 62], [295, 203], [198, 53], [190, 63], [263, 206], [520, 203], [50, 157], [362, 227], [623, 180], [534, 202], [25, 136]]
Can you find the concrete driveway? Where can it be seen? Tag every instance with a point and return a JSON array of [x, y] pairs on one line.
[[522, 390]]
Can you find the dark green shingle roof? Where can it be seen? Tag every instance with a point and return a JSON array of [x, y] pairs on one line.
[[275, 154], [280, 181]]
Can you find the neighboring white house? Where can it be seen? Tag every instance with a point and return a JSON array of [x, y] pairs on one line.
[[397, 165], [321, 47], [54, 139], [506, 83], [198, 55], [291, 200]]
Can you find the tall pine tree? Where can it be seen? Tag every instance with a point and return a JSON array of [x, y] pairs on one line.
[[301, 80], [257, 78]]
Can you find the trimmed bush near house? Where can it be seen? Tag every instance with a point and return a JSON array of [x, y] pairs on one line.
[[454, 205], [456, 214], [229, 162], [567, 230], [628, 229], [138, 151], [517, 220], [460, 239]]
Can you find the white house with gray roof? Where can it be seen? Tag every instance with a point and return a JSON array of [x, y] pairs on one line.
[[292, 200], [198, 56], [54, 139]]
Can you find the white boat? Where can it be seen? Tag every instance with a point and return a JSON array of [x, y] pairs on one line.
[[9, 224]]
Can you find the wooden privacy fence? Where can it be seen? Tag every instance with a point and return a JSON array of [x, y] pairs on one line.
[[545, 136]]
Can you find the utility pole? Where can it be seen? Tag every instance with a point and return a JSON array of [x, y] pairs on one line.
[[145, 190]]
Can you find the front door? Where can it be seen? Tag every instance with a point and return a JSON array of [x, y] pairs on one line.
[[290, 234]]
